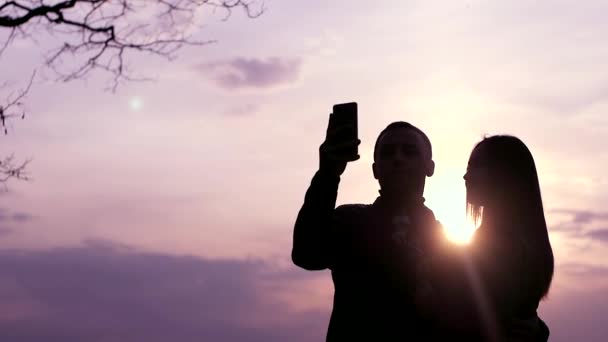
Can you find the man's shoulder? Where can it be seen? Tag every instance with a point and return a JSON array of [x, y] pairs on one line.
[[352, 210], [429, 217], [428, 212], [352, 207]]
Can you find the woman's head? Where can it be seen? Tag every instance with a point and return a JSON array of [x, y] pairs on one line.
[[501, 176], [504, 192]]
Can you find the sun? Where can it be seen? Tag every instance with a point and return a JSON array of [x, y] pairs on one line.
[[460, 234], [446, 197], [136, 103], [457, 227]]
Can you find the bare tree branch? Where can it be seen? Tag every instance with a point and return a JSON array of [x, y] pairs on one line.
[[98, 34], [11, 170], [9, 40], [14, 106]]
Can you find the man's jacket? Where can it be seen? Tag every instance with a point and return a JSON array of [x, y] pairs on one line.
[[372, 251]]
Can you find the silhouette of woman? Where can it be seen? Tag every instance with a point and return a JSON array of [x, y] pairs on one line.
[[490, 290]]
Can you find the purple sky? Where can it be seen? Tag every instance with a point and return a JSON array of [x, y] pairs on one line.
[[165, 211]]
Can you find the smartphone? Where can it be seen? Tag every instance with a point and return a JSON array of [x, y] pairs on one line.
[[345, 115]]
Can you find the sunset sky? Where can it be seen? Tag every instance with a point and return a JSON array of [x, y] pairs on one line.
[[165, 211]]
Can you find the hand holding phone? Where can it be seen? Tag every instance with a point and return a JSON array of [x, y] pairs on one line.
[[341, 141]]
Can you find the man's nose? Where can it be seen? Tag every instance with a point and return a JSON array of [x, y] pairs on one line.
[[399, 158], [400, 155]]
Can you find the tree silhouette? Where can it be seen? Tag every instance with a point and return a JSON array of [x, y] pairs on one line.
[[97, 35]]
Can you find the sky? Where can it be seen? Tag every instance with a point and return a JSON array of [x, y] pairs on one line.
[[164, 211]]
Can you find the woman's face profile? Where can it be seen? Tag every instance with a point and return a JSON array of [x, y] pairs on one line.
[[477, 178]]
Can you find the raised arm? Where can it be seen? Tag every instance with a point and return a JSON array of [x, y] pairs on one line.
[[313, 231]]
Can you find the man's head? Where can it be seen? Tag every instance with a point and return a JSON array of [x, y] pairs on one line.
[[403, 158]]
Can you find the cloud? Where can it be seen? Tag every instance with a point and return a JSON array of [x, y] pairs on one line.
[[578, 219], [598, 235], [103, 291], [582, 216], [584, 271], [21, 217], [566, 227], [581, 236], [18, 217], [576, 316], [585, 216], [239, 73], [6, 231], [7, 219], [106, 291], [575, 310]]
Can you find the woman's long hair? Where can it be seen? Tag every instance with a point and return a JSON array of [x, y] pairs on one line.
[[517, 199]]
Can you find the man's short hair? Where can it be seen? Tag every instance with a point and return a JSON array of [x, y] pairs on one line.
[[406, 125]]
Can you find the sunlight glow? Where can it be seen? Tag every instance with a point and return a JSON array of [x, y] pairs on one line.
[[460, 233], [447, 198], [135, 103]]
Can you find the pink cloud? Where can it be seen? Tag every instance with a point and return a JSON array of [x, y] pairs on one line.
[[106, 291], [576, 316], [243, 72]]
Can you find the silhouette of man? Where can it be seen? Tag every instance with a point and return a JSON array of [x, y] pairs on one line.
[[371, 249]]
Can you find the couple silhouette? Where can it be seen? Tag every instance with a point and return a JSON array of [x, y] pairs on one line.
[[396, 277]]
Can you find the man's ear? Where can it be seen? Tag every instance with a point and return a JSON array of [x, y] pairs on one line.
[[430, 168], [374, 170]]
